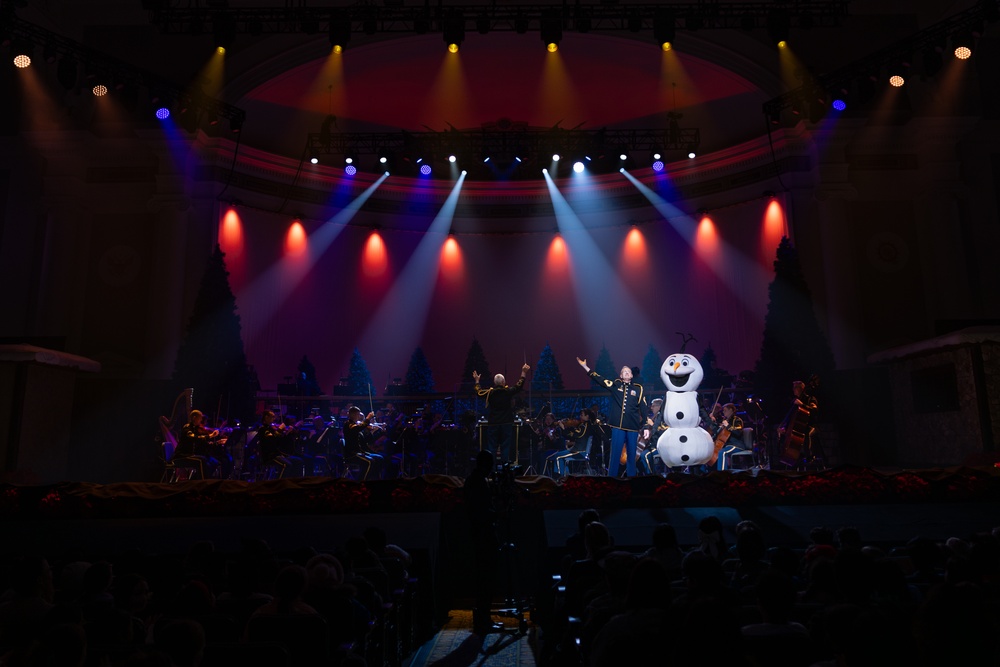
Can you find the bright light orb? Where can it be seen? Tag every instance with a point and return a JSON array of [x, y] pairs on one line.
[[839, 105], [348, 160], [578, 167], [691, 155], [896, 81], [782, 44], [963, 53], [21, 61], [221, 50], [451, 158], [666, 46], [100, 90], [163, 113], [623, 157], [338, 49], [425, 169], [552, 47], [453, 48], [350, 170], [383, 159], [658, 166], [555, 157], [314, 160]]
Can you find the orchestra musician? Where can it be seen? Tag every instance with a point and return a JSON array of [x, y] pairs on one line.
[[318, 445], [802, 397], [195, 444], [358, 443], [728, 422], [655, 426], [548, 439], [273, 444], [627, 415], [500, 413], [578, 435]]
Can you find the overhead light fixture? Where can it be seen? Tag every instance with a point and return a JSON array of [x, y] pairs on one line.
[[453, 30], [664, 28], [779, 25], [551, 25], [339, 30]]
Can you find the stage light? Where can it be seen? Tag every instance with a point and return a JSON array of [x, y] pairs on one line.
[[963, 53], [578, 167], [464, 172], [517, 158], [223, 30], [452, 158], [839, 105], [453, 30], [425, 169], [692, 155], [350, 170], [486, 159], [544, 170], [100, 90], [656, 156], [383, 160], [555, 157], [551, 29], [962, 41], [623, 156], [664, 28], [896, 81], [779, 23], [163, 113], [692, 151], [658, 166], [314, 160], [339, 31], [348, 160], [21, 61]]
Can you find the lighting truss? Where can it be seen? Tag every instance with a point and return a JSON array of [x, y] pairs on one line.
[[180, 17], [120, 72], [819, 87], [526, 143]]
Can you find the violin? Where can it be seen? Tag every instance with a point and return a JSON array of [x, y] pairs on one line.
[[569, 423]]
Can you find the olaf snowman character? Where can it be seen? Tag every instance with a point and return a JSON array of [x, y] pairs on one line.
[[684, 443]]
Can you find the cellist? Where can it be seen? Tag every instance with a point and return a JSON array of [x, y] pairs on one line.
[[730, 433]]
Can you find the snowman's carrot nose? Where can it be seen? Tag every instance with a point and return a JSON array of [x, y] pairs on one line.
[[677, 365]]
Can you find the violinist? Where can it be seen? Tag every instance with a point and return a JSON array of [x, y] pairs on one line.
[[273, 444], [500, 413], [195, 444], [358, 443], [548, 437], [578, 436], [627, 415]]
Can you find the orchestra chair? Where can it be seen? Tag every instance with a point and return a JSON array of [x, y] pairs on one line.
[[578, 463], [177, 469]]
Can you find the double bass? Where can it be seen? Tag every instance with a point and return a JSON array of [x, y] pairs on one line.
[[798, 428]]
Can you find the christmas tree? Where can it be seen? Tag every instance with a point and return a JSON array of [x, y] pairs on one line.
[[359, 381], [604, 366], [793, 347], [651, 371], [419, 379], [475, 360], [211, 358], [547, 375]]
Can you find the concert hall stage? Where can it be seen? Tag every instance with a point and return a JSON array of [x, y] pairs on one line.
[[423, 512]]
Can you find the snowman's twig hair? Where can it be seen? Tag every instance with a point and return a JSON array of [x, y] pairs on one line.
[[685, 339]]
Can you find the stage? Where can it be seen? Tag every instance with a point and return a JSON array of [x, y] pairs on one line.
[[888, 507]]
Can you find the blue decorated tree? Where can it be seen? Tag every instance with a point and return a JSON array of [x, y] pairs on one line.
[[475, 360], [359, 380], [651, 371], [419, 378], [604, 366], [547, 375]]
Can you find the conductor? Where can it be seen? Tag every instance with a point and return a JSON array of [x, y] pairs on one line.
[[500, 413]]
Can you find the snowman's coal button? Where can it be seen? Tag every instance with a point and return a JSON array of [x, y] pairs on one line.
[[683, 438], [680, 415], [685, 457]]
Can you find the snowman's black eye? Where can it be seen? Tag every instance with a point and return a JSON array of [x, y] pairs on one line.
[[685, 363]]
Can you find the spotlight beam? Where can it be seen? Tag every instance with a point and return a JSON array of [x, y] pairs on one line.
[[260, 300], [398, 324], [596, 281]]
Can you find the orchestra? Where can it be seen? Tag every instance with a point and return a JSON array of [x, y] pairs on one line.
[[387, 442]]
